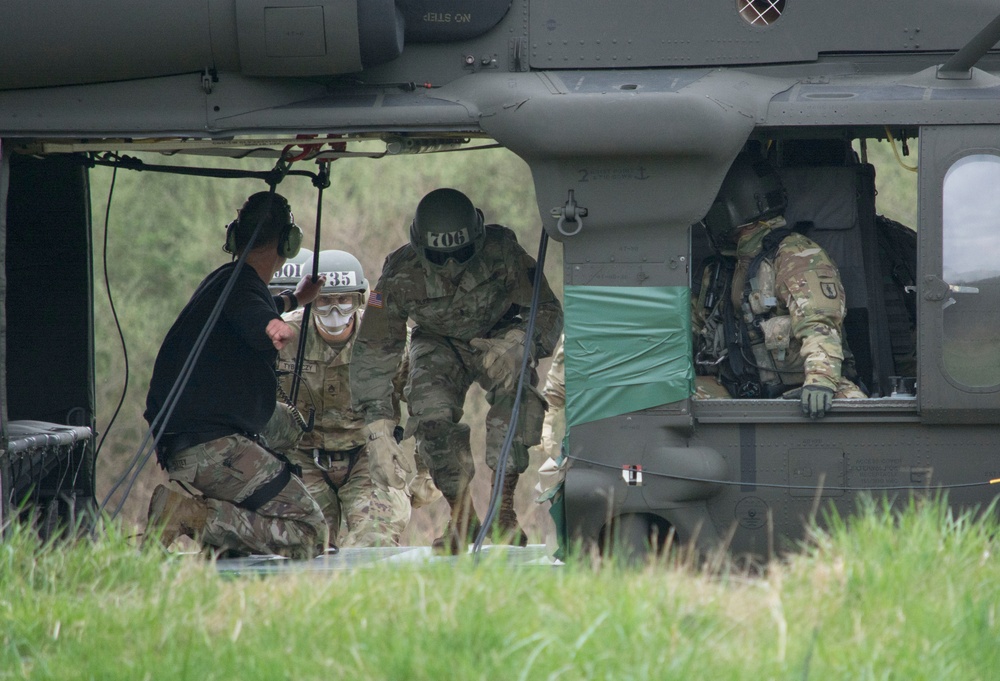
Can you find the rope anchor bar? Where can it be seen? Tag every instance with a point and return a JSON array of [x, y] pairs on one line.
[[570, 212]]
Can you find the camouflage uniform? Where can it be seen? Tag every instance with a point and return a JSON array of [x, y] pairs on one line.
[[227, 471], [253, 502], [554, 426], [799, 300], [492, 296], [333, 456]]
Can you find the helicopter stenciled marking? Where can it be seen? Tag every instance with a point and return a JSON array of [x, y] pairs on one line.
[[751, 512], [447, 17], [874, 472], [612, 174]]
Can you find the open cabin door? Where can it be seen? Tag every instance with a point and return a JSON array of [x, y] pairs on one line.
[[958, 294], [47, 383]]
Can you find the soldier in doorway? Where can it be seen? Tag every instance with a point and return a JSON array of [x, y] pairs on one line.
[[334, 456], [768, 320], [210, 433], [468, 288]]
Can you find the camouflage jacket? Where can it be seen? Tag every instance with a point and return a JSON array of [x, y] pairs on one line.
[[800, 298], [325, 386], [492, 295], [554, 424], [555, 383]]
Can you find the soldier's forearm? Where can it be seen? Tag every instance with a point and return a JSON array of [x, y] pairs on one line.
[[374, 411], [371, 395], [548, 327], [373, 368]]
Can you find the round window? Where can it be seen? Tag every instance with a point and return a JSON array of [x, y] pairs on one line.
[[760, 12]]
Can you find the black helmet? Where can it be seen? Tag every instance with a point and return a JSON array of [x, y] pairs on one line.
[[751, 192], [447, 227]]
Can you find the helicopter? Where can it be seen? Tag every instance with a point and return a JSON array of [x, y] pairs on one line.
[[629, 116]]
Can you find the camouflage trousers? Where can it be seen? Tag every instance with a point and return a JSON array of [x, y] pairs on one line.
[[357, 512], [228, 471], [441, 372]]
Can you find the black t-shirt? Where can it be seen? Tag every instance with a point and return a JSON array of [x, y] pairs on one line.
[[232, 387]]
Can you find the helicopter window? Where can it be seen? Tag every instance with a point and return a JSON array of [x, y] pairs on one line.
[[971, 240], [760, 12]]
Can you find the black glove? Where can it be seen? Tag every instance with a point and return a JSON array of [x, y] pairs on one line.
[[816, 400]]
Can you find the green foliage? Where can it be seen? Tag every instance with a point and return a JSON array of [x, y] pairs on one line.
[[895, 184], [912, 594]]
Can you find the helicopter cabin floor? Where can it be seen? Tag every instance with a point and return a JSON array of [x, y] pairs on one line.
[[402, 556]]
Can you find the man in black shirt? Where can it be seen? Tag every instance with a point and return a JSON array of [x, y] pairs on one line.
[[212, 433]]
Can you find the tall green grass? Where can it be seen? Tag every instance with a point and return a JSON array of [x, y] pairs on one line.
[[882, 595]]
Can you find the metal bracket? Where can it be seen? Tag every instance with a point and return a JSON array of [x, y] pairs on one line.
[[518, 54], [322, 179], [570, 212], [934, 289], [632, 474], [208, 77]]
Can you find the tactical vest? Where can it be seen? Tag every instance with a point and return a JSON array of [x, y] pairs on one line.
[[754, 334]]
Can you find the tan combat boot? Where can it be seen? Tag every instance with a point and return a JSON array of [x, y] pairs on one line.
[[506, 523], [176, 514]]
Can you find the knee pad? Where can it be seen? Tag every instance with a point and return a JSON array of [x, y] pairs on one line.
[[435, 428]]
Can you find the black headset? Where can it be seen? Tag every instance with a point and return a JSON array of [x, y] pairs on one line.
[[291, 236]]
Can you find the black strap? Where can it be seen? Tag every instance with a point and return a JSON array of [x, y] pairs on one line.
[[273, 487], [293, 468], [739, 374], [352, 459], [742, 380], [768, 249], [769, 246], [736, 374], [329, 481], [747, 383], [268, 490]]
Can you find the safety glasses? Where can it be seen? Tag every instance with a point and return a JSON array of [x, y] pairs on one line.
[[344, 303], [460, 255]]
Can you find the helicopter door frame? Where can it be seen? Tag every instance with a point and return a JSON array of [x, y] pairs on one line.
[[958, 287]]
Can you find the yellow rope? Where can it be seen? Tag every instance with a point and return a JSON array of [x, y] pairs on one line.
[[899, 159]]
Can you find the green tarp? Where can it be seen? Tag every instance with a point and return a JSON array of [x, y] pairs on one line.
[[627, 349]]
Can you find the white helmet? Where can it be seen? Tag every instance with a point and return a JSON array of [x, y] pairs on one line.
[[343, 272], [344, 292], [292, 271]]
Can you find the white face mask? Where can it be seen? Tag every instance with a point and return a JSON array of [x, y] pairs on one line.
[[332, 320], [333, 311]]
